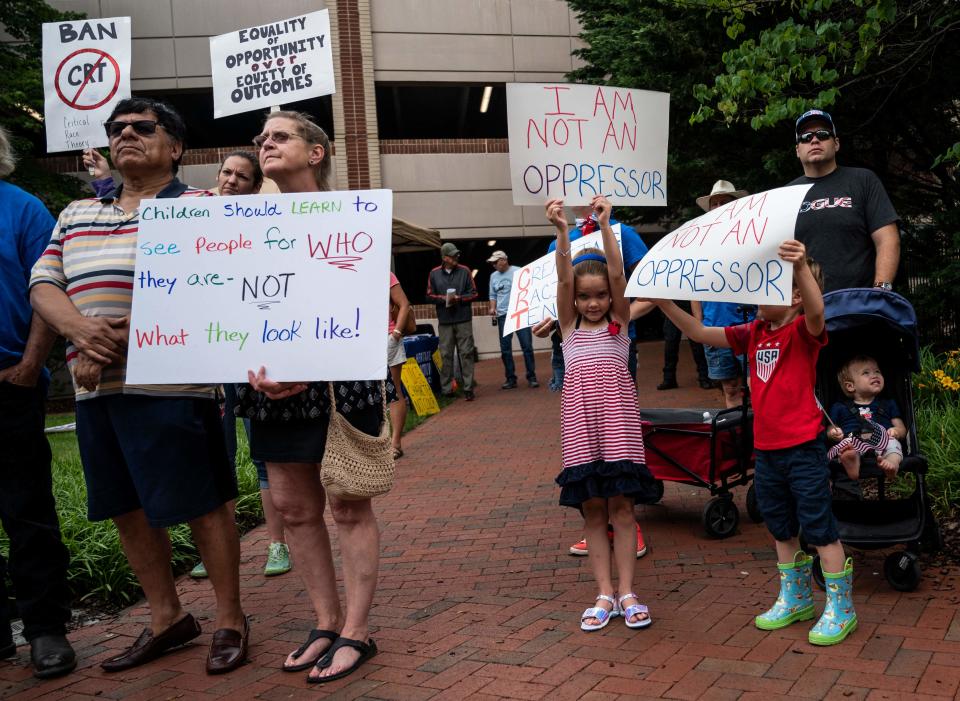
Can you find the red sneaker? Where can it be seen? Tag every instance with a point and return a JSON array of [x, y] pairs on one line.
[[580, 548], [641, 546]]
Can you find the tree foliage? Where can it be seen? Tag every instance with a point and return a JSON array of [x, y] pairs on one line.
[[21, 100], [740, 72]]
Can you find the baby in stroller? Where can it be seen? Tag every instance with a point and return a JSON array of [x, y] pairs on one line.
[[864, 422]]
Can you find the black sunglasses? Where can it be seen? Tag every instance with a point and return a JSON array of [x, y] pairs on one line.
[[144, 127], [807, 136]]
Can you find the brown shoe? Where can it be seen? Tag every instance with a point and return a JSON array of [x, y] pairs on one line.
[[228, 650], [149, 647]]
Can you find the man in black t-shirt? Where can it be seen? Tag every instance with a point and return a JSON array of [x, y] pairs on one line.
[[846, 221]]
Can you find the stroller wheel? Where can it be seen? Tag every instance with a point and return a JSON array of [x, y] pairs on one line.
[[720, 517], [753, 511], [902, 570], [817, 572]]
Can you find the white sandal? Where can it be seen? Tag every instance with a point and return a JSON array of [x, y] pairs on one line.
[[600, 613], [635, 610]]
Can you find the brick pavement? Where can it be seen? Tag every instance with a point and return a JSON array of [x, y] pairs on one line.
[[479, 599]]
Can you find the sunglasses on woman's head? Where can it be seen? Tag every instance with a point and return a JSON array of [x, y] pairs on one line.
[[144, 127], [277, 137], [821, 134]]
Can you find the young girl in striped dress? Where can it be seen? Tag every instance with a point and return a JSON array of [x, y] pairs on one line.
[[603, 459]]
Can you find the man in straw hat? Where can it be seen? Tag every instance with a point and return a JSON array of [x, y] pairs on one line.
[[723, 365]]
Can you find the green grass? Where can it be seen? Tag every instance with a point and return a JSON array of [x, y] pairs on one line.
[[98, 566]]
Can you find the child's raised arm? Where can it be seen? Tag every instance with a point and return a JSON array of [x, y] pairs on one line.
[[555, 215], [810, 295], [611, 251], [693, 329]]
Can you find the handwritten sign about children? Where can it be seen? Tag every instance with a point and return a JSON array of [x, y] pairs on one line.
[[86, 71], [533, 295], [297, 283], [726, 255], [272, 64], [576, 141]]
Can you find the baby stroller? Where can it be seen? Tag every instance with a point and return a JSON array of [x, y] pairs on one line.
[[883, 325], [705, 448]]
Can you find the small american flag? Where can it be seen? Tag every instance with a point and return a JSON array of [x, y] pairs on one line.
[[877, 441]]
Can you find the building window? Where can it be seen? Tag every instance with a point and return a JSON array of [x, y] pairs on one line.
[[441, 112], [203, 131]]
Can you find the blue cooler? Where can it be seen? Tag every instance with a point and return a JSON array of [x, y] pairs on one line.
[[422, 347]]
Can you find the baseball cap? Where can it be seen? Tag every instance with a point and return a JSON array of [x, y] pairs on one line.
[[810, 115], [497, 255], [448, 249]]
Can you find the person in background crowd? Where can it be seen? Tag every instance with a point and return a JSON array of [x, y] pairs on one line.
[[450, 286], [846, 219], [396, 357], [153, 455], [38, 557], [671, 355], [288, 430], [722, 365], [501, 280]]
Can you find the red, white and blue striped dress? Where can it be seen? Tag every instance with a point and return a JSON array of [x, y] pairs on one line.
[[601, 437]]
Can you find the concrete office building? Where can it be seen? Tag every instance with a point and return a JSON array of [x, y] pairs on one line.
[[420, 106]]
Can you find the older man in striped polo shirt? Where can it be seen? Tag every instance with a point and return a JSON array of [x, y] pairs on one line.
[[153, 455]]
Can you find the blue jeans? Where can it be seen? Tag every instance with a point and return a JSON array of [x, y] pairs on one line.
[[506, 351], [556, 363]]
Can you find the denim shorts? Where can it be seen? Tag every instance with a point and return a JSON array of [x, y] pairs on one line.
[[793, 492], [165, 455], [722, 363]]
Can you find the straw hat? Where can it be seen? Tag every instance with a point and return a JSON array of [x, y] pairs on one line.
[[721, 187]]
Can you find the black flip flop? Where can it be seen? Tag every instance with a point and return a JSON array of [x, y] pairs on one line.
[[366, 649], [315, 635]]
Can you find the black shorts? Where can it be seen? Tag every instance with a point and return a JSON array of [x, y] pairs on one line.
[[165, 455]]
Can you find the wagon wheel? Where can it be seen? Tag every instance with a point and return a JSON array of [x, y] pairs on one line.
[[902, 570], [752, 509], [720, 517]]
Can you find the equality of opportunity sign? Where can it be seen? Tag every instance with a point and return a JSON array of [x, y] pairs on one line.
[[297, 283], [726, 255], [272, 64], [86, 71], [575, 141], [533, 295]]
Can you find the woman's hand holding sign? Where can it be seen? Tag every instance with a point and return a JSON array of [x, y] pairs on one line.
[[274, 390]]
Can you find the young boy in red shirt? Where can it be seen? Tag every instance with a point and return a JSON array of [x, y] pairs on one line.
[[792, 477]]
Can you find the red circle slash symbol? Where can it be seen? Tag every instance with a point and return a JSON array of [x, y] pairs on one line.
[[101, 57]]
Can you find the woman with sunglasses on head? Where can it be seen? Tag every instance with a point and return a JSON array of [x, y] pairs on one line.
[[289, 432]]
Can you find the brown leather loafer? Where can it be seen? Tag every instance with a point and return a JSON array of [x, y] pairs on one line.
[[149, 647], [228, 650]]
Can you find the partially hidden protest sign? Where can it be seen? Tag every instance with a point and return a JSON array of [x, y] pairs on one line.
[[272, 64], [533, 295], [575, 141], [423, 398], [297, 283], [726, 255], [86, 71]]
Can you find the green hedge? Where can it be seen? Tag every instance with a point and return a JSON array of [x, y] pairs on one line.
[[937, 414]]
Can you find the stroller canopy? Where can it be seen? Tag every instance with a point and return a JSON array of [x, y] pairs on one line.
[[861, 307]]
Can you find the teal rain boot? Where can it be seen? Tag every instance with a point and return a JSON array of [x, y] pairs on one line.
[[839, 619], [795, 602]]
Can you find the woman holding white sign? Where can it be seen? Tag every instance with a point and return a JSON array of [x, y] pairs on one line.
[[289, 432], [604, 471]]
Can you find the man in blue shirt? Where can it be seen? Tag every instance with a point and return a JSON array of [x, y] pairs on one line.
[[501, 280], [38, 558]]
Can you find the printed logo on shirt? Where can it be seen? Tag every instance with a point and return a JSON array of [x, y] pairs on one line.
[[866, 412], [766, 359], [827, 203]]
